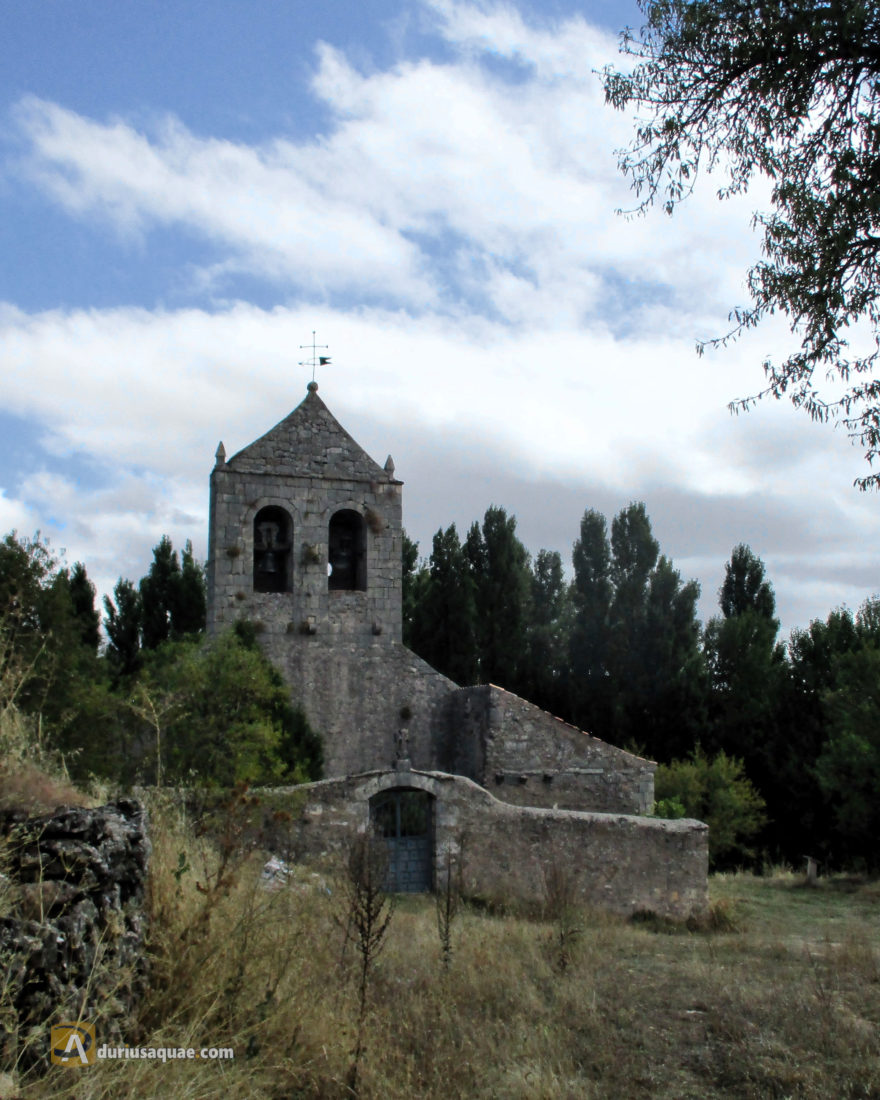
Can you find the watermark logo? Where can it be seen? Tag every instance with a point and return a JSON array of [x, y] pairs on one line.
[[73, 1044]]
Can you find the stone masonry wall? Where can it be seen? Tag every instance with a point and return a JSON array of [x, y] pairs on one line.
[[526, 756], [360, 694], [621, 863], [72, 937], [311, 468], [310, 607]]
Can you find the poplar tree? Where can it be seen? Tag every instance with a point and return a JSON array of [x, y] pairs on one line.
[[443, 629], [499, 565], [82, 598], [546, 661], [122, 622], [591, 592], [745, 667], [634, 552]]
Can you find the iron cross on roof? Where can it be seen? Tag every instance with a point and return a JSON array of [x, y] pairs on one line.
[[316, 360]]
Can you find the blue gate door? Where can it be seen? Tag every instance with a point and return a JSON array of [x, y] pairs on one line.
[[403, 817]]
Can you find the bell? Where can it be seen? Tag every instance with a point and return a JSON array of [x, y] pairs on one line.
[[268, 533], [268, 564]]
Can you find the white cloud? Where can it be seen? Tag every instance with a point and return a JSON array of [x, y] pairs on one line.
[[436, 182], [262, 204], [15, 515], [464, 210]]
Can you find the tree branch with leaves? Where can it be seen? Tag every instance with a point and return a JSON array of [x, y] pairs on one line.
[[790, 92]]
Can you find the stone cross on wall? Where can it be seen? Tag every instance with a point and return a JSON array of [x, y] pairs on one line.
[[402, 748]]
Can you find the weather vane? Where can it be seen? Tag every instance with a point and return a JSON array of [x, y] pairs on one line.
[[315, 360]]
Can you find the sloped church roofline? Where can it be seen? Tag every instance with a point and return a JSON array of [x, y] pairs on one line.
[[310, 442]]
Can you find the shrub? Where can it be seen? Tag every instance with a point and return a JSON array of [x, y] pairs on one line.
[[715, 790]]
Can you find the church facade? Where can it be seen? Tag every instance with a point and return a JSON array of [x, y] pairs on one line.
[[305, 542]]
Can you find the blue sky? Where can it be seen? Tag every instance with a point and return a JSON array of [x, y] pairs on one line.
[[189, 189]]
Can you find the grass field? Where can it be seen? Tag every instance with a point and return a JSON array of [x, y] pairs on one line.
[[778, 997]]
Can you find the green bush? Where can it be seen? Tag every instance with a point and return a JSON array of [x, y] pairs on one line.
[[715, 790]]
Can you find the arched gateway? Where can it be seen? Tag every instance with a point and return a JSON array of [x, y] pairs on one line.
[[404, 818]]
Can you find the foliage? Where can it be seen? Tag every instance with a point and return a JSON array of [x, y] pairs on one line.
[[671, 680], [499, 566], [799, 810], [789, 92], [616, 650], [848, 767], [181, 710], [543, 679], [82, 600], [636, 667], [123, 625], [745, 586], [217, 712], [744, 666], [715, 790], [33, 777], [168, 604], [443, 624], [172, 595], [48, 619], [591, 593], [411, 576]]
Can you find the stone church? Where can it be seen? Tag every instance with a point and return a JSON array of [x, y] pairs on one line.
[[305, 542]]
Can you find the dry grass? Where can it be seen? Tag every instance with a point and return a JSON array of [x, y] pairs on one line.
[[32, 779], [785, 1005]]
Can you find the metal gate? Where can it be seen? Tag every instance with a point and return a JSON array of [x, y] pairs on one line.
[[404, 818]]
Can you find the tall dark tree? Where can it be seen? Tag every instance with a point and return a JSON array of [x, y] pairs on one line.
[[745, 586], [848, 768], [546, 661], [49, 663], [499, 566], [160, 594], [799, 810], [636, 667], [82, 598], [745, 666], [591, 592], [122, 622], [190, 613], [672, 685], [172, 595], [634, 552], [654, 662], [41, 632], [27, 568], [789, 92], [443, 629]]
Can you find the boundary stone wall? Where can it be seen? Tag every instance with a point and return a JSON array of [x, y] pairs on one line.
[[622, 863], [73, 939]]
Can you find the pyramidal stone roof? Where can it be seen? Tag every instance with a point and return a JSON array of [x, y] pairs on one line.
[[310, 442]]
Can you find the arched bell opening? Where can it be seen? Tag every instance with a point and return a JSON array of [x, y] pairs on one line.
[[273, 544], [404, 818], [347, 552]]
